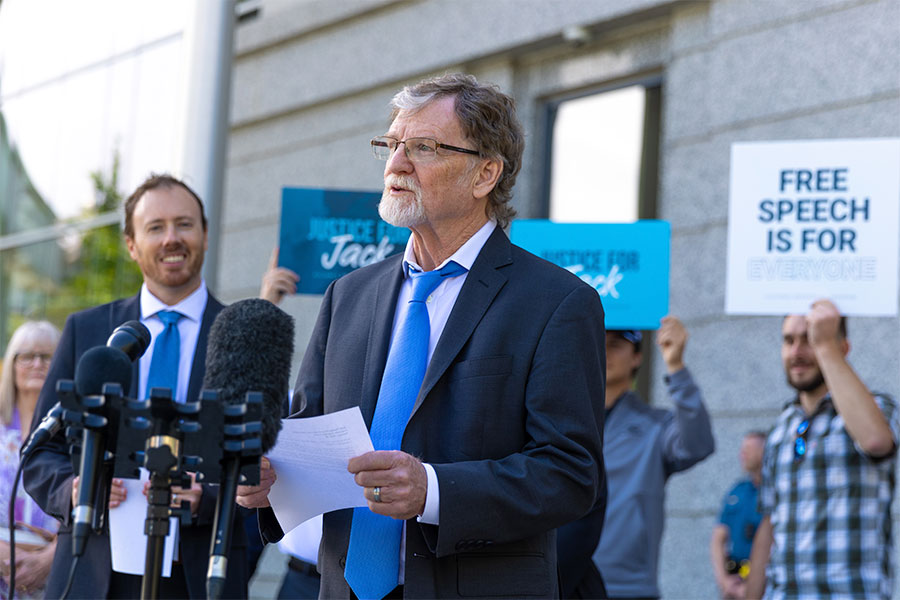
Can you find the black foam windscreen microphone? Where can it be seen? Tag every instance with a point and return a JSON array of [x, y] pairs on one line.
[[250, 347], [99, 365]]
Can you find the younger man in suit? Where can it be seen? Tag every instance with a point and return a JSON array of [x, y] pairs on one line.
[[166, 234]]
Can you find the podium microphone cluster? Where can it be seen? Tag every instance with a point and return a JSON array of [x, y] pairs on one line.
[[250, 347]]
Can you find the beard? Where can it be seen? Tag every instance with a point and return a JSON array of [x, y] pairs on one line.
[[808, 385], [397, 211], [152, 270]]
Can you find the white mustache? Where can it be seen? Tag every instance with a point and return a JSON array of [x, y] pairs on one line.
[[401, 181]]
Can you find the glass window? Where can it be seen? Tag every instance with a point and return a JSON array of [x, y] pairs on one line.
[[603, 156], [602, 165], [53, 278]]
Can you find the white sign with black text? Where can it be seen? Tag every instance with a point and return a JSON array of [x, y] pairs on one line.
[[813, 219]]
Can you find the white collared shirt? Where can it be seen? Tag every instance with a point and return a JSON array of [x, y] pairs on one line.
[[191, 309], [442, 299]]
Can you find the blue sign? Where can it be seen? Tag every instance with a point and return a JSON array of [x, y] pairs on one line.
[[328, 233], [627, 263]]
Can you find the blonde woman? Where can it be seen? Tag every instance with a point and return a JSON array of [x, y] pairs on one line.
[[21, 378]]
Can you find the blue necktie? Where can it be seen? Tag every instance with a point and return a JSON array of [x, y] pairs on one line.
[[166, 353], [373, 558]]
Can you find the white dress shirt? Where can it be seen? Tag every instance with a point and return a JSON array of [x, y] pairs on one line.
[[191, 309], [303, 540]]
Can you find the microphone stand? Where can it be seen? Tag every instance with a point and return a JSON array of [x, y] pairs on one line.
[[242, 448], [162, 456], [221, 442]]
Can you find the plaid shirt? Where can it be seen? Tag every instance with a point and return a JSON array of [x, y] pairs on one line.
[[830, 510]]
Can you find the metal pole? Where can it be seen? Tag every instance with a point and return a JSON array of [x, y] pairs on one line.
[[208, 41]]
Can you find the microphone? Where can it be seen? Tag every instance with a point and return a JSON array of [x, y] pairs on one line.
[[49, 426], [99, 366], [250, 347], [132, 338]]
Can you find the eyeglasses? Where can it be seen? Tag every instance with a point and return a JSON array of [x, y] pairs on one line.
[[28, 358], [800, 440], [418, 149]]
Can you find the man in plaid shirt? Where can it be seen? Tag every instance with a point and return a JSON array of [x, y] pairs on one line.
[[828, 474]]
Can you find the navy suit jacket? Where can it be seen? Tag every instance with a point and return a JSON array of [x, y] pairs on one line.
[[510, 416], [47, 474]]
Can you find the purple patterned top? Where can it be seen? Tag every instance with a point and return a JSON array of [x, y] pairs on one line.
[[26, 509]]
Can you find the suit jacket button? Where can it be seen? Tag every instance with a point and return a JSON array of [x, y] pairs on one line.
[[460, 544], [479, 543], [343, 562]]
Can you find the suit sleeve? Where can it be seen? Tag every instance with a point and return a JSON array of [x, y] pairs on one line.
[[47, 474], [309, 389], [557, 476]]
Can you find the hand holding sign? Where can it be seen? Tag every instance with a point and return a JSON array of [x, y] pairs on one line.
[[822, 325], [671, 339], [277, 281]]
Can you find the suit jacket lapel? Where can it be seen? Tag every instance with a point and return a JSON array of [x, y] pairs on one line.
[[482, 284], [198, 366], [380, 328], [128, 310]]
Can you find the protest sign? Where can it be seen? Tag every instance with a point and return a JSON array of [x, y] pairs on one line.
[[328, 233], [813, 219], [627, 263]]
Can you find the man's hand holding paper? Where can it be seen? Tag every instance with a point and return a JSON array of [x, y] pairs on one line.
[[400, 479], [311, 458]]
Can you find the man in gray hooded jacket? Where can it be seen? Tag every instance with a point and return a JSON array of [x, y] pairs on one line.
[[642, 447]]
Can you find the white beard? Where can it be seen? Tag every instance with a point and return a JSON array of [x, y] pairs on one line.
[[398, 212]]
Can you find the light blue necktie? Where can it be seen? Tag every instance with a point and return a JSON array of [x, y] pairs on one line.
[[373, 558], [166, 353]]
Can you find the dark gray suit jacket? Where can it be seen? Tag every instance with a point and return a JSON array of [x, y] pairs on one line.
[[510, 415], [48, 472]]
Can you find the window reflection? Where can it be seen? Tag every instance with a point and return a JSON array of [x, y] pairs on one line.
[[596, 156], [51, 279]]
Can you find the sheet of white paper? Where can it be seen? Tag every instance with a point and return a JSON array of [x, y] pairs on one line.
[[310, 459], [127, 542]]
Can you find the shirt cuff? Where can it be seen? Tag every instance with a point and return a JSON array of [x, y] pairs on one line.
[[680, 377], [431, 514]]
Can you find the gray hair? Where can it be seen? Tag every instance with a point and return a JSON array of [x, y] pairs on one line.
[[488, 119], [27, 333]]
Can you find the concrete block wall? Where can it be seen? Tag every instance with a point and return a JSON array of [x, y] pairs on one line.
[[311, 85], [740, 71]]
